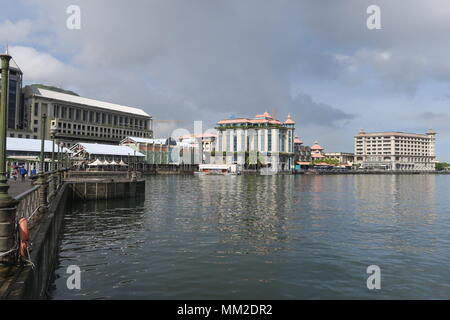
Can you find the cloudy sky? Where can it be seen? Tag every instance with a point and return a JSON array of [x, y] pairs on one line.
[[186, 60]]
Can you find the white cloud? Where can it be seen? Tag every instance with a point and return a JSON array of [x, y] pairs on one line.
[[40, 67], [15, 31]]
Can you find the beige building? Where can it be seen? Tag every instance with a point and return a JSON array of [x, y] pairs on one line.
[[396, 150], [78, 119]]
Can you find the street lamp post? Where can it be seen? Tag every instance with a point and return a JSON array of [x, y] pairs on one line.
[[53, 131], [42, 181], [7, 203]]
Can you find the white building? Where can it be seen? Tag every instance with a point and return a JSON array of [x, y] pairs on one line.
[[27, 152], [94, 151], [396, 150], [261, 141], [165, 151]]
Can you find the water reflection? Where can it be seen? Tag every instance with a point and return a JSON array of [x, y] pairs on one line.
[[259, 237]]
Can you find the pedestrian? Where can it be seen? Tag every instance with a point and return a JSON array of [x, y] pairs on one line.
[[15, 174], [33, 172], [22, 172]]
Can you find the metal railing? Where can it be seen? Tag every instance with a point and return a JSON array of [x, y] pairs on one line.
[[28, 205]]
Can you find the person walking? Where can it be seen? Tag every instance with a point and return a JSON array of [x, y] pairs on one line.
[[23, 172]]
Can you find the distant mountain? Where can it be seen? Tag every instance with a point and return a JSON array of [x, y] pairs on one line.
[[43, 86]]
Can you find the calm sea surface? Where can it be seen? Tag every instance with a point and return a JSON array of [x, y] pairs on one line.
[[263, 237]]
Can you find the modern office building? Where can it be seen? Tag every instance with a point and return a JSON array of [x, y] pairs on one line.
[[396, 150], [16, 116], [261, 141]]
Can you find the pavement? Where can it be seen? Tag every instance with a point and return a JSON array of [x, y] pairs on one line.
[[18, 187]]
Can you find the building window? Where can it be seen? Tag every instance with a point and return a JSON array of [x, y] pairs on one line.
[[36, 109], [269, 141]]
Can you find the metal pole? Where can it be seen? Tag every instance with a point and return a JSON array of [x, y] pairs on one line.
[[5, 199], [53, 152], [7, 203], [42, 179], [43, 125]]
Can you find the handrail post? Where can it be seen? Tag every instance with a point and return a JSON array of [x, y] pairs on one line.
[[7, 203]]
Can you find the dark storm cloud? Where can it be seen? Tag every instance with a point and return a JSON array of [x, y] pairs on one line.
[[320, 114], [203, 57]]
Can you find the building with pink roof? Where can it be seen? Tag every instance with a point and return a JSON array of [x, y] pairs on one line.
[[317, 151], [261, 141]]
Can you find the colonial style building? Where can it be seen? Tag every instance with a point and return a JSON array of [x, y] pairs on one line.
[[396, 150], [317, 152], [256, 142], [78, 119]]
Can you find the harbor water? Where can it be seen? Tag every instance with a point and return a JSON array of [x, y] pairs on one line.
[[262, 237]]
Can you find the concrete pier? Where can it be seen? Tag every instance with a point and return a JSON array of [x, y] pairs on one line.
[[22, 280]]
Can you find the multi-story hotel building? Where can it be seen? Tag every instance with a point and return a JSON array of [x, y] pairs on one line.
[[75, 119], [396, 150], [261, 141]]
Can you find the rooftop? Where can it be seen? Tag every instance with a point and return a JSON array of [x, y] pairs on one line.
[[86, 101], [147, 140], [264, 118], [105, 149], [30, 145], [362, 133]]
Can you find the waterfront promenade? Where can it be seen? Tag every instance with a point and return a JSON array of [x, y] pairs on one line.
[[18, 187]]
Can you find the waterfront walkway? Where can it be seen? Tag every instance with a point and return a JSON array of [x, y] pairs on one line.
[[18, 187]]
